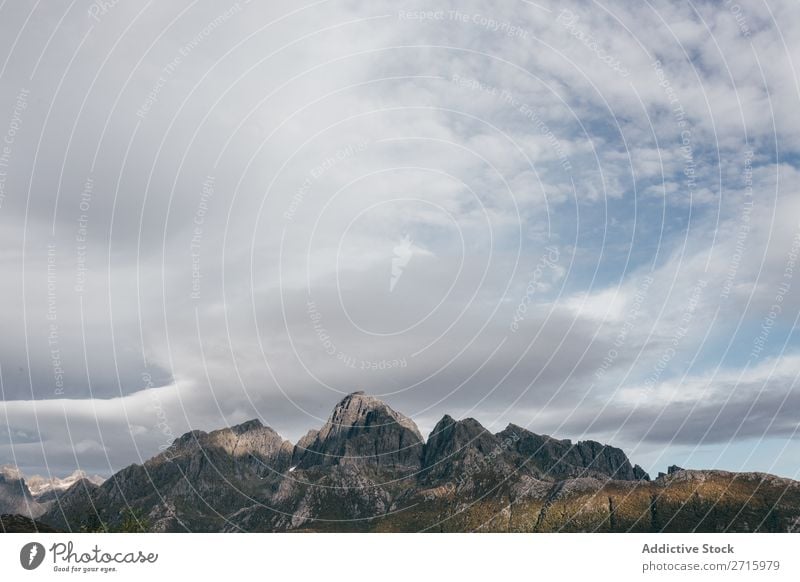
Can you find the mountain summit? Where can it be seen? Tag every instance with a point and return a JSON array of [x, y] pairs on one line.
[[363, 430], [41, 487]]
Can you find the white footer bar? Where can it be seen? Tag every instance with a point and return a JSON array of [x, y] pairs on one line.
[[407, 557]]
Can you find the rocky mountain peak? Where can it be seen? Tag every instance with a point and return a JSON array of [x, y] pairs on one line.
[[451, 434], [41, 485], [455, 447], [249, 446], [10, 473], [563, 459], [250, 437], [357, 410], [247, 426], [363, 430]]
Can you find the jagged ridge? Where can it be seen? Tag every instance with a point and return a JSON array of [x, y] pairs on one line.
[[369, 469]]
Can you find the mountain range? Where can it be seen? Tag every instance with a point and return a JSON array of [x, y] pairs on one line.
[[369, 469], [32, 496]]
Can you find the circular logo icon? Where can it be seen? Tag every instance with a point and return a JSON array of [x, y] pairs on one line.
[[31, 555]]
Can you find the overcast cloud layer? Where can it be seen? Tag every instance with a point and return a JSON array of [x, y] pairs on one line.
[[580, 217]]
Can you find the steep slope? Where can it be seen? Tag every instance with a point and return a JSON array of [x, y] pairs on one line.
[[363, 431], [560, 459], [15, 497], [76, 500], [464, 455], [192, 485]]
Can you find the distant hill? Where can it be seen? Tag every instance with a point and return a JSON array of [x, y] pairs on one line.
[[44, 489], [369, 469]]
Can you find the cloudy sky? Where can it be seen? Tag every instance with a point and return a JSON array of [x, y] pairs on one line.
[[580, 217]]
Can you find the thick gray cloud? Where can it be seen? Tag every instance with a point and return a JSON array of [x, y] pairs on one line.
[[577, 217]]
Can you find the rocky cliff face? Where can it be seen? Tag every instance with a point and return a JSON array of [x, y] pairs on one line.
[[363, 431], [369, 469], [459, 451], [15, 496], [250, 446], [560, 459], [191, 486]]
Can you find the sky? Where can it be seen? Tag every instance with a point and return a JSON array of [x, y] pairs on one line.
[[579, 217]]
